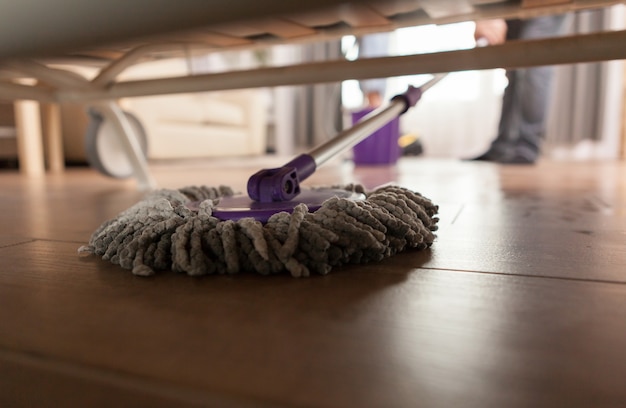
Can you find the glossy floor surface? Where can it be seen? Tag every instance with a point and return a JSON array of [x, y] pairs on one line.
[[520, 302]]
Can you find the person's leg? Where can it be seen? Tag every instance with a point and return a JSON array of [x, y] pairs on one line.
[[509, 114], [509, 117], [534, 94], [525, 100], [532, 112]]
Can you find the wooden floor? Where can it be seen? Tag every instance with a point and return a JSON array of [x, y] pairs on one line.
[[521, 301]]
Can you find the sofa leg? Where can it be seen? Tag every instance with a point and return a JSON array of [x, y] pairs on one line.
[[51, 114], [29, 139]]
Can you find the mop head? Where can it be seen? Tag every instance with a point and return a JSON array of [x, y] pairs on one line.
[[163, 232]]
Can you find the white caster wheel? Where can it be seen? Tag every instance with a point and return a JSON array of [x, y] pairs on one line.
[[105, 151]]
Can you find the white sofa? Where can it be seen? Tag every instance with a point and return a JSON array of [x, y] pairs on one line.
[[207, 124]]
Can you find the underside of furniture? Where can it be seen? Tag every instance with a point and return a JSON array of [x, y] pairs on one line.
[[27, 67]]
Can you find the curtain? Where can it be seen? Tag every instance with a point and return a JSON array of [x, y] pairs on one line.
[[317, 107], [581, 106]]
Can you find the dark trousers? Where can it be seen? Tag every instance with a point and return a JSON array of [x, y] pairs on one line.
[[526, 97]]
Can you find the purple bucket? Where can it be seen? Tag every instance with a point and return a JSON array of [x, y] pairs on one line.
[[381, 147]]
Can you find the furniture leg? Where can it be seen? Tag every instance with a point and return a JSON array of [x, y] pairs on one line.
[[29, 139], [51, 113]]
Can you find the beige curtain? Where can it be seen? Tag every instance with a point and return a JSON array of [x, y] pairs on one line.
[[580, 90]]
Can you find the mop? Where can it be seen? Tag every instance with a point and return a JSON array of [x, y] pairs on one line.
[[279, 226]]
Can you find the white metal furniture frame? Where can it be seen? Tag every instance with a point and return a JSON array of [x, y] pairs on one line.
[[114, 35]]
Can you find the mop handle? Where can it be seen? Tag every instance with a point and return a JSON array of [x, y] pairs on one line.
[[283, 183]]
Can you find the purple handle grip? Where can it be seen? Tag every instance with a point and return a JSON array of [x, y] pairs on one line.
[[410, 97], [282, 183]]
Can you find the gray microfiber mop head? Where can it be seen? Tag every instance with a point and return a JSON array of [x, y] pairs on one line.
[[162, 233]]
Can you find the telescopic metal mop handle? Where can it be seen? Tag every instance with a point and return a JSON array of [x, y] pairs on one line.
[[283, 183]]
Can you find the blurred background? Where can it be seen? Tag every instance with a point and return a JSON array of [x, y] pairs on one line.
[[455, 119]]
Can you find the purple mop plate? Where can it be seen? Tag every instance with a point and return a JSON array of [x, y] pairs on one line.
[[242, 206]]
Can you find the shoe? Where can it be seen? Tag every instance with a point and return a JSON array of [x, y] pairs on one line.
[[487, 156], [516, 158], [522, 153], [517, 155], [490, 155]]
